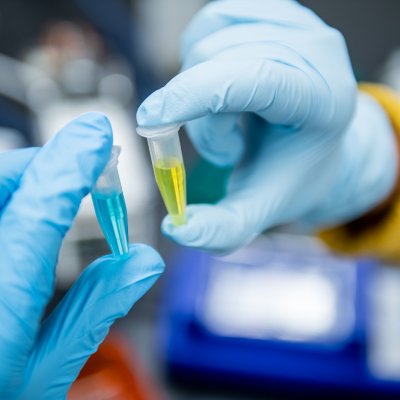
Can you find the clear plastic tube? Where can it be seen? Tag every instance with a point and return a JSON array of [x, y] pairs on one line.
[[169, 169], [109, 204]]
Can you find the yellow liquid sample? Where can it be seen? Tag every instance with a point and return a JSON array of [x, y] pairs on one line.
[[171, 180]]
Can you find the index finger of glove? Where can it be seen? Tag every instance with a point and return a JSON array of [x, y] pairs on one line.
[[280, 93], [34, 223]]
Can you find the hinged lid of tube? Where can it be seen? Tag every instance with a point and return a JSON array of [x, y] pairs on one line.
[[151, 132]]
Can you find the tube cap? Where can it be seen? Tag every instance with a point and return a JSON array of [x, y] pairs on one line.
[[113, 161], [156, 131]]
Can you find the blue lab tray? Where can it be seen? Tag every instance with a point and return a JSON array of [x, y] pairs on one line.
[[333, 362]]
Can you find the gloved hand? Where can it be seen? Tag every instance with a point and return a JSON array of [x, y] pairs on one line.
[[271, 73], [40, 193]]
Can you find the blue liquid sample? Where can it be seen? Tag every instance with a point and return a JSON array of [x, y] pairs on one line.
[[111, 213]]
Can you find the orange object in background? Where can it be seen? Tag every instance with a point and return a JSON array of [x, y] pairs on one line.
[[114, 373]]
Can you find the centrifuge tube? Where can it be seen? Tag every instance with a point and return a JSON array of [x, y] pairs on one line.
[[169, 170], [109, 204]]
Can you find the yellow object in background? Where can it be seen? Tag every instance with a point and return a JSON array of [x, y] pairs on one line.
[[375, 234], [171, 180]]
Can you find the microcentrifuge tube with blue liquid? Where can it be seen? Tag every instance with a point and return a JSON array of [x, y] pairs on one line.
[[109, 204]]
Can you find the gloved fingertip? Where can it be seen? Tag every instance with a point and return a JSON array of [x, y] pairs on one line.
[[98, 124], [216, 228], [92, 127], [185, 234], [167, 227], [96, 118], [145, 255], [141, 259], [149, 112]]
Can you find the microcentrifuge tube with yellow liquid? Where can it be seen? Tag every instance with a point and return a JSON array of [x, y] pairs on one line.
[[169, 170], [170, 178], [109, 204]]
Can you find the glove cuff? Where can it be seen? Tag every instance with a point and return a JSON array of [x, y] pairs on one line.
[[376, 232]]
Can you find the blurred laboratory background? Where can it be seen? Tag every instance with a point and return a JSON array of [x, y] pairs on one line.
[[280, 319]]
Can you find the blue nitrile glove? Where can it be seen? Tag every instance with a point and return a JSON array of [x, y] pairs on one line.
[[40, 193], [323, 154]]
